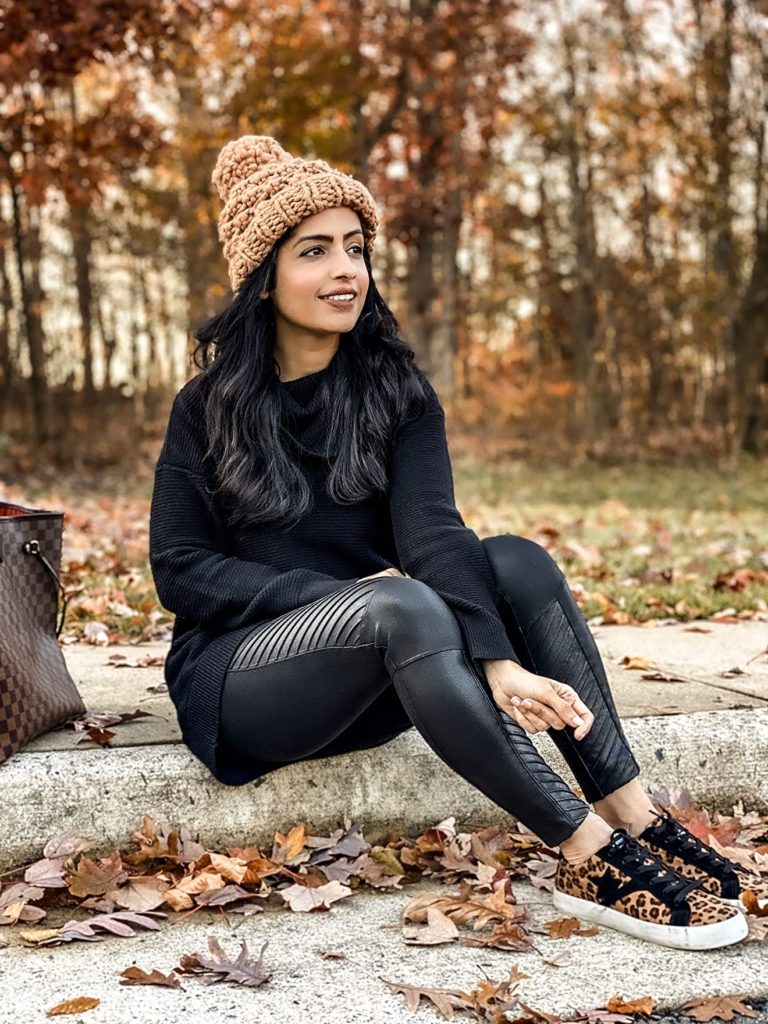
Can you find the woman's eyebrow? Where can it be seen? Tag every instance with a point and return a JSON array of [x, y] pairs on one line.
[[325, 238]]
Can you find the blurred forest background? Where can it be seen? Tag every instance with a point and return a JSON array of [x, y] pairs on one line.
[[574, 207], [573, 196]]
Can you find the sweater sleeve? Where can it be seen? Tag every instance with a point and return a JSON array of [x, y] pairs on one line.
[[433, 543], [194, 576]]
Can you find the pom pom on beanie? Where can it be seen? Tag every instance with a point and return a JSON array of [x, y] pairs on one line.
[[265, 192]]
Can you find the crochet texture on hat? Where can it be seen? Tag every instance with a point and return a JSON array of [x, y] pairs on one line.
[[266, 191]]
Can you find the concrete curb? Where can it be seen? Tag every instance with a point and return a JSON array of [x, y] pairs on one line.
[[720, 756]]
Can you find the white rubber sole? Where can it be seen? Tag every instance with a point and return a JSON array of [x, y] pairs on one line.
[[705, 936]]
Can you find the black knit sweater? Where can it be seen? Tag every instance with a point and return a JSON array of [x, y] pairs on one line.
[[219, 581]]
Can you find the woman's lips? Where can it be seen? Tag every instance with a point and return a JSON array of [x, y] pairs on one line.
[[338, 304]]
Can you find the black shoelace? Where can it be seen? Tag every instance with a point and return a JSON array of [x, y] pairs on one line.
[[661, 880], [680, 840]]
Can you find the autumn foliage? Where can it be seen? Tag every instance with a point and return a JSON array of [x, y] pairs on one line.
[[574, 222]]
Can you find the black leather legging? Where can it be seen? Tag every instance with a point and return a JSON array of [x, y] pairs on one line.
[[360, 666]]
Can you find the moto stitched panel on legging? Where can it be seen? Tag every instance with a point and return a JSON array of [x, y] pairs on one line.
[[293, 713]]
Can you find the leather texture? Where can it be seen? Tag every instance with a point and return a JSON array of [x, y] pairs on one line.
[[37, 692], [357, 667], [557, 640]]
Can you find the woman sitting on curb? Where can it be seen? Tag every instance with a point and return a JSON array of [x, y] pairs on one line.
[[328, 595]]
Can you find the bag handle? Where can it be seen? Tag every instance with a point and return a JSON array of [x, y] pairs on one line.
[[32, 547]]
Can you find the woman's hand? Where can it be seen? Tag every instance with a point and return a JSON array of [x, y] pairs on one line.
[[536, 702], [384, 572]]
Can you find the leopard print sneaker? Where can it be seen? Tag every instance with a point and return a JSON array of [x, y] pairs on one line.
[[625, 886], [690, 856]]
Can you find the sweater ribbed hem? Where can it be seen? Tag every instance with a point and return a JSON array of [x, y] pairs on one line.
[[485, 636]]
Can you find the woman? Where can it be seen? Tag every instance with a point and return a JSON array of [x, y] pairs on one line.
[[328, 595]]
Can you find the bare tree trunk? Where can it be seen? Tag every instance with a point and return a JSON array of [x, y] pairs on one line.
[[149, 327], [584, 321], [748, 339], [108, 334], [201, 249], [31, 307], [7, 370], [165, 319], [715, 72], [445, 344], [81, 243]]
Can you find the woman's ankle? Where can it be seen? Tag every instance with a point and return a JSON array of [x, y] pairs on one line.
[[588, 838], [629, 808], [634, 822]]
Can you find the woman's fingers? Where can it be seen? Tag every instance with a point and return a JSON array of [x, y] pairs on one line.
[[582, 730], [530, 723], [568, 705], [536, 712], [579, 707], [581, 724]]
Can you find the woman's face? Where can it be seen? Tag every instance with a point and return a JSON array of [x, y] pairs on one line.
[[309, 268]]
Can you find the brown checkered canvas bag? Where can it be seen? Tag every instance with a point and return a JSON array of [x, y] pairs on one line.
[[37, 693]]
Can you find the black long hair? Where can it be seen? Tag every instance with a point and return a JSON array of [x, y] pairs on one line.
[[258, 479]]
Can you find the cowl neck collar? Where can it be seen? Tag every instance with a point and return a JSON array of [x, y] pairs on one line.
[[306, 408]]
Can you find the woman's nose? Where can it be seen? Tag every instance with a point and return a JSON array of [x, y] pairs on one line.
[[344, 264]]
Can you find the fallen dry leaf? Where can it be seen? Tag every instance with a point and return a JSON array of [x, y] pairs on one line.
[[140, 893], [239, 971], [289, 849], [756, 906], [636, 662], [136, 976], [304, 898], [465, 909], [503, 935], [445, 1000], [618, 1004], [565, 927], [48, 873], [227, 894], [79, 1005], [96, 879], [758, 929], [14, 904], [718, 1007], [67, 844], [439, 929], [115, 924]]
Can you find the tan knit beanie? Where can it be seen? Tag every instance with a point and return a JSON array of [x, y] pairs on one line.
[[266, 191]]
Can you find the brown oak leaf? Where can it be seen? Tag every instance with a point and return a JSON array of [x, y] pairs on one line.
[[720, 1007], [445, 1000], [136, 976], [239, 971], [93, 878]]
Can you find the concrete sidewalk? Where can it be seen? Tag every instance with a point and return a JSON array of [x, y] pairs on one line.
[[365, 928], [708, 732]]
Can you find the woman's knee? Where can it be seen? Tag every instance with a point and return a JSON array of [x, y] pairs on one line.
[[410, 616], [523, 569]]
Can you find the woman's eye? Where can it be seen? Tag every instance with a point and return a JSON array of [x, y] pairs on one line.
[[319, 248]]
